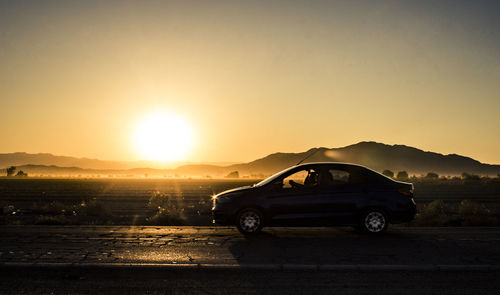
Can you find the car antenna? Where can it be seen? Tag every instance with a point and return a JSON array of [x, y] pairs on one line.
[[307, 157]]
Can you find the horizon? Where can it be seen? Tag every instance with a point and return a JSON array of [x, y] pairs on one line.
[[155, 164], [173, 165], [219, 81]]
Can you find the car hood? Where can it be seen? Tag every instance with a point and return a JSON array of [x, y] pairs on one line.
[[236, 190]]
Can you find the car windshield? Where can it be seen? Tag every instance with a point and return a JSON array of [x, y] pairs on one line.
[[273, 177]]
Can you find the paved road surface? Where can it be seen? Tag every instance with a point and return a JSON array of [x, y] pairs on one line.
[[218, 260], [224, 245], [96, 280]]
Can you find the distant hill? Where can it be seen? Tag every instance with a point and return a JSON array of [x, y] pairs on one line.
[[52, 170], [377, 156], [19, 159], [45, 159]]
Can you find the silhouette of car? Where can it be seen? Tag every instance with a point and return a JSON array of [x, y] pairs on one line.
[[317, 194]]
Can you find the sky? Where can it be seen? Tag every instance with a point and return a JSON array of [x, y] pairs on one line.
[[250, 78]]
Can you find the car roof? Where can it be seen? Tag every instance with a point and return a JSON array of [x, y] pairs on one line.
[[331, 164], [343, 165]]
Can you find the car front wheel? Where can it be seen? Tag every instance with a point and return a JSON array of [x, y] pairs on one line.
[[374, 221], [249, 221]]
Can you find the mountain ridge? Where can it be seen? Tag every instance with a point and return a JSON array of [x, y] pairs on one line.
[[378, 156]]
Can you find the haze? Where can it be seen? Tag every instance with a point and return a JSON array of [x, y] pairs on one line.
[[252, 77]]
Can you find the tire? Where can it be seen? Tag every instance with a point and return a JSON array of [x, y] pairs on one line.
[[250, 221], [373, 221]]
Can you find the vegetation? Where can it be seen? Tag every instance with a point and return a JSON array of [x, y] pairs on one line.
[[92, 208], [51, 220], [402, 175], [388, 173], [471, 214], [234, 174], [467, 213], [168, 210], [468, 176], [11, 170], [432, 175], [21, 173], [445, 201]]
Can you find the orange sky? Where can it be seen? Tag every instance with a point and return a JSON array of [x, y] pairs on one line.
[[250, 78]]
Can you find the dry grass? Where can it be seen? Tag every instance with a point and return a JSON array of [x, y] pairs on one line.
[[187, 202], [92, 208], [474, 214], [51, 220], [84, 208], [467, 213]]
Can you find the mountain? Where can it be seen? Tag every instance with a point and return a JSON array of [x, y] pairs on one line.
[[19, 159], [377, 156], [53, 170], [46, 159]]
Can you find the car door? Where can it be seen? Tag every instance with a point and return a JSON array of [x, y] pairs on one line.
[[340, 198], [287, 204]]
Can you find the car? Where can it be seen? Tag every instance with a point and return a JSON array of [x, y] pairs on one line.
[[317, 194]]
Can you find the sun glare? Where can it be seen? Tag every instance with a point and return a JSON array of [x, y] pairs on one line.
[[163, 136]]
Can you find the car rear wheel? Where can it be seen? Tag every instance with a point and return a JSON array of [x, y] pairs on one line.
[[249, 221], [374, 221]]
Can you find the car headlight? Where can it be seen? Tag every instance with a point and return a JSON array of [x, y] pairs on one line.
[[223, 198]]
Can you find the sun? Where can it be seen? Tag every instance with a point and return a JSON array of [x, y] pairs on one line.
[[163, 136]]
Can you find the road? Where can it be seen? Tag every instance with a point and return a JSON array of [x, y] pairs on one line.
[[226, 246], [219, 260]]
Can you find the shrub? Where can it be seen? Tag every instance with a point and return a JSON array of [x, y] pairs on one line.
[[468, 213], [432, 175], [166, 217], [21, 173], [434, 208], [473, 214], [468, 208], [168, 210], [388, 173], [402, 175], [158, 200], [467, 176], [435, 213], [11, 170]]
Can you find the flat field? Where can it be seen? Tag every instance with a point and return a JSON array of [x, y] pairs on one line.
[[178, 201]]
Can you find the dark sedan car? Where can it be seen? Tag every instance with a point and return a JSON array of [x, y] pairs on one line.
[[317, 194]]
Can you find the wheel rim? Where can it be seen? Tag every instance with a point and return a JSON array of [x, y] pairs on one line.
[[249, 221], [374, 222]]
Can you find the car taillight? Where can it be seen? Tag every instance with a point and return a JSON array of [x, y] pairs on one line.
[[407, 191]]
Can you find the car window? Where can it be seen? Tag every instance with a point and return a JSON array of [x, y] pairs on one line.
[[339, 178], [375, 178], [273, 177], [336, 177], [357, 177], [305, 178]]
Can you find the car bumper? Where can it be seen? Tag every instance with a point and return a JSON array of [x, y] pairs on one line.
[[223, 214], [222, 218]]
